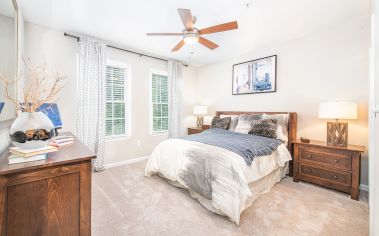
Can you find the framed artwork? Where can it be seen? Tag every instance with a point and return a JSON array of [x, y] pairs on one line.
[[1, 106], [52, 111], [256, 76]]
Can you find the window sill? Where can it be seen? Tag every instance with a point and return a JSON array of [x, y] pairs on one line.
[[163, 133], [116, 138]]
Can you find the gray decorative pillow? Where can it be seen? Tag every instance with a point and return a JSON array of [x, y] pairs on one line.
[[221, 123], [282, 128], [244, 123], [233, 121], [264, 127]]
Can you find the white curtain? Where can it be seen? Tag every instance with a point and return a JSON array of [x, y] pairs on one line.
[[175, 115], [90, 99]]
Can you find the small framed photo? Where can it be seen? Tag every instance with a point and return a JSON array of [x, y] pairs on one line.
[[256, 76]]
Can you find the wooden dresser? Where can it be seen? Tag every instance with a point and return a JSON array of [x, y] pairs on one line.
[[197, 130], [333, 167], [48, 197]]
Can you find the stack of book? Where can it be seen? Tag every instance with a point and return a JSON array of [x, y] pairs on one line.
[[20, 155], [61, 141]]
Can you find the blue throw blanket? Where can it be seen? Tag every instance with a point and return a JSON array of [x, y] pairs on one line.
[[246, 145]]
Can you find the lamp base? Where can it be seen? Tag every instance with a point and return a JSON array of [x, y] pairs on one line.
[[337, 133], [200, 121]]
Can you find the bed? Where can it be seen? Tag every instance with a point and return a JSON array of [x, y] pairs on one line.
[[224, 180]]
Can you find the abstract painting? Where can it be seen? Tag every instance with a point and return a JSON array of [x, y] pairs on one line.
[[52, 111], [256, 76], [1, 106]]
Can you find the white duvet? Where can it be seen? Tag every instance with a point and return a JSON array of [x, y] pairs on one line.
[[217, 177]]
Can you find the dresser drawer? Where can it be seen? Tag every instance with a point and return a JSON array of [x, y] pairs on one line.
[[340, 161], [327, 175]]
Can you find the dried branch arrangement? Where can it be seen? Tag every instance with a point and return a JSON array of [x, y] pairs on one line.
[[40, 87]]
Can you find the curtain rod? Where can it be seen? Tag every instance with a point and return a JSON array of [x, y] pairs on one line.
[[122, 49]]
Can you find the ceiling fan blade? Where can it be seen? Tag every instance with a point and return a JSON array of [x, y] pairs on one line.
[[219, 28], [164, 34], [178, 46], [209, 44], [187, 19]]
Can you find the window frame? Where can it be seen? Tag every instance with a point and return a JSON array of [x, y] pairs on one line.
[[127, 100], [151, 117]]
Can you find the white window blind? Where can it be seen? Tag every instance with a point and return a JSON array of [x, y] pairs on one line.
[[159, 101], [117, 110]]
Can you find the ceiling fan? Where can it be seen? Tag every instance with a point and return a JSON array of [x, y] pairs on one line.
[[192, 35]]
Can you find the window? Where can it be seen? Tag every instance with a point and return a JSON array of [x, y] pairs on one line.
[[159, 102], [117, 99]]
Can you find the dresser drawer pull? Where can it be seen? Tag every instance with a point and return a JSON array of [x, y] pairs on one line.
[[309, 170], [309, 156], [336, 161], [336, 176]]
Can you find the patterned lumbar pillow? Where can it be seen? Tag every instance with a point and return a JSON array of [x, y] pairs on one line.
[[264, 127], [221, 123]]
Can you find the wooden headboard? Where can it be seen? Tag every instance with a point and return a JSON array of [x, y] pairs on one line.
[[292, 125], [292, 121]]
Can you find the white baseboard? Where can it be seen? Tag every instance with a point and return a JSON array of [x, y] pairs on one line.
[[363, 187], [126, 162]]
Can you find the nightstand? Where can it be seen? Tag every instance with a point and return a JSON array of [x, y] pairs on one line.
[[333, 167], [197, 130]]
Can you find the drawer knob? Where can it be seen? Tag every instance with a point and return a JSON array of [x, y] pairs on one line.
[[336, 177], [309, 156], [336, 161], [309, 170]]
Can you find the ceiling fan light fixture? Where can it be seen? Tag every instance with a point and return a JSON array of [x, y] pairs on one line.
[[191, 38], [192, 35]]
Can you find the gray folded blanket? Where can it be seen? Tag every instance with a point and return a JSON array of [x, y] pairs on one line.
[[246, 145]]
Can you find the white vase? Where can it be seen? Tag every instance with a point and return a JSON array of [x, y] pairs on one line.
[[31, 130]]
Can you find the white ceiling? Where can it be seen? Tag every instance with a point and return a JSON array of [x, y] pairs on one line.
[[7, 8], [126, 22]]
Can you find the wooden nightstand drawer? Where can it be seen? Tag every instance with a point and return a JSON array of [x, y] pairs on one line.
[[326, 175], [194, 130], [329, 166], [197, 130], [334, 160]]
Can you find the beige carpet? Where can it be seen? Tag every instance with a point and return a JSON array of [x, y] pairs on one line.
[[124, 202]]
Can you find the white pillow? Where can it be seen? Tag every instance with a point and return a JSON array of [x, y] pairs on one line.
[[282, 129], [233, 121], [244, 123]]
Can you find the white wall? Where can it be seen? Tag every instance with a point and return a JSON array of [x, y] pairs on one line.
[[8, 60], [324, 66], [20, 52], [7, 46], [61, 52], [4, 125], [374, 120]]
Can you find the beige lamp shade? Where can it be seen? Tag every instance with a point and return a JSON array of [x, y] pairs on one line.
[[338, 110], [200, 110]]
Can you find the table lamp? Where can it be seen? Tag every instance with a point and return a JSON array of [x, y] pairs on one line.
[[200, 112], [337, 132]]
